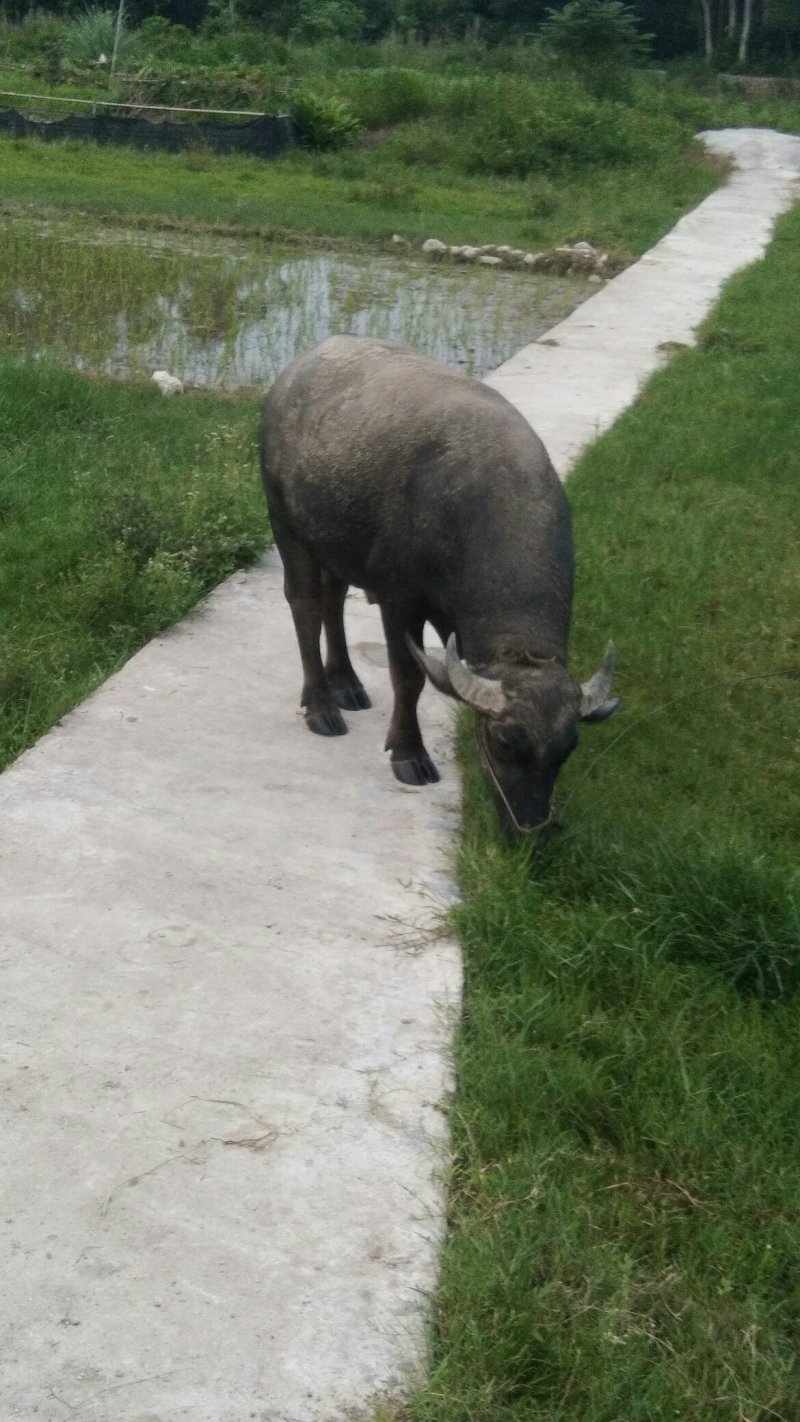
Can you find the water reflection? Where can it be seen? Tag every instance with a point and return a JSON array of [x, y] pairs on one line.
[[233, 313]]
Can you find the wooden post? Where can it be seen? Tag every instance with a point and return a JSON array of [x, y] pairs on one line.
[[118, 28]]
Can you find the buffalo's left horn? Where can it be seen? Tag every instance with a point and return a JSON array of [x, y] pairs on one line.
[[432, 663], [596, 703], [478, 691]]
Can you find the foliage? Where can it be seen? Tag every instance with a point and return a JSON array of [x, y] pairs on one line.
[[595, 32], [504, 31], [92, 34], [599, 39], [320, 20], [323, 121]]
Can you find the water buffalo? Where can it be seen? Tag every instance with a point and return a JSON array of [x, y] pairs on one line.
[[388, 471]]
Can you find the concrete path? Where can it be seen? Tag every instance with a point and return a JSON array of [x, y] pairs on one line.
[[574, 382], [226, 1019], [226, 1012]]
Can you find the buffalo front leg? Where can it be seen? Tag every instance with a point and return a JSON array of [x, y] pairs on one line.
[[345, 686], [302, 585], [410, 760]]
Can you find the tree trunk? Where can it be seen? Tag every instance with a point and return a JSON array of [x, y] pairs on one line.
[[744, 38], [733, 15], [708, 37]]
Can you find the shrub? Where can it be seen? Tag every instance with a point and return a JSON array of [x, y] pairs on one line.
[[524, 130], [381, 97], [92, 34], [323, 121], [320, 20], [595, 33]]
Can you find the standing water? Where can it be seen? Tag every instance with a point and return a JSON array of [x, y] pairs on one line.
[[233, 312]]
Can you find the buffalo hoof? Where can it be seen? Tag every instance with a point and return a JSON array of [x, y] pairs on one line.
[[350, 697], [327, 723], [419, 771]]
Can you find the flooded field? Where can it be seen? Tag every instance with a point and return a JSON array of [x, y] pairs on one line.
[[228, 312]]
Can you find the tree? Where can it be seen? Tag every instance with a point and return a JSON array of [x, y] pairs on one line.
[[598, 38]]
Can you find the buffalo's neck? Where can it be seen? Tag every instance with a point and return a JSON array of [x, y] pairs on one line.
[[523, 616], [524, 639]]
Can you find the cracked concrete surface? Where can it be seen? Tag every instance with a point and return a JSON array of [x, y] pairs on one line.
[[226, 1003]]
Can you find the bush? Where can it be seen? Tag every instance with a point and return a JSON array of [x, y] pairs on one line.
[[320, 20], [323, 121], [92, 34], [524, 130], [588, 33], [381, 97], [599, 39]]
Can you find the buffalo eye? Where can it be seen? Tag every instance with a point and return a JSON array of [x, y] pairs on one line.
[[512, 743]]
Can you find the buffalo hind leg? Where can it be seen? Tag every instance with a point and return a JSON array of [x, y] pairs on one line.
[[302, 585], [410, 761], [345, 686]]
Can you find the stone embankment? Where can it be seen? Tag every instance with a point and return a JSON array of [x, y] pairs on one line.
[[568, 259]]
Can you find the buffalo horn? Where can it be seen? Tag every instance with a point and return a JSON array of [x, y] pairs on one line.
[[595, 702], [432, 663], [478, 691]]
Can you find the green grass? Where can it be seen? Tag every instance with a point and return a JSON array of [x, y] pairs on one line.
[[624, 1237], [356, 196], [624, 1204], [118, 510]]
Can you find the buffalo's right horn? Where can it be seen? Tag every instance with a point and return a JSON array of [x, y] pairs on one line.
[[596, 703], [478, 691]]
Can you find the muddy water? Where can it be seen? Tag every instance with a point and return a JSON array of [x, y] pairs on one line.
[[230, 313]]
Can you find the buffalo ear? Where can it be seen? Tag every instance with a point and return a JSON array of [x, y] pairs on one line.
[[433, 665]]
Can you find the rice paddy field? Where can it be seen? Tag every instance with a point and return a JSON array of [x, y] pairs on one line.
[[226, 312]]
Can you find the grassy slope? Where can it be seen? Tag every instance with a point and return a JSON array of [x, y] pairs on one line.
[[360, 196], [625, 1205], [118, 509]]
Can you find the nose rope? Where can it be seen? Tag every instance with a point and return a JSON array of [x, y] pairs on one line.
[[480, 736]]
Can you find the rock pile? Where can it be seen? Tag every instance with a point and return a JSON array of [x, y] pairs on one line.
[[570, 259]]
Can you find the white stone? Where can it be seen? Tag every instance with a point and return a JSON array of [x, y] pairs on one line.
[[400, 241], [490, 261], [434, 248], [594, 279], [469, 254], [167, 384], [585, 248], [488, 249], [533, 259]]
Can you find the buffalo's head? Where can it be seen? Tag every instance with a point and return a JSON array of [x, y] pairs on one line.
[[526, 725]]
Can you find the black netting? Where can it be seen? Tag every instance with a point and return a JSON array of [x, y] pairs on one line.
[[265, 137]]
